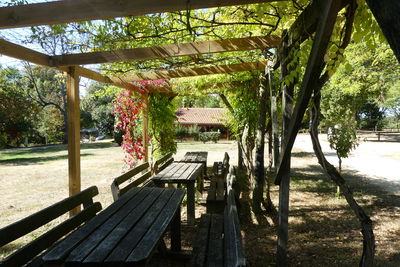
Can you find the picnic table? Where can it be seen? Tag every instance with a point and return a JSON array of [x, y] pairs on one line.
[[125, 233], [182, 173], [196, 157]]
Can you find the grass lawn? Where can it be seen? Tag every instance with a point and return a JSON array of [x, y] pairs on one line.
[[322, 229]]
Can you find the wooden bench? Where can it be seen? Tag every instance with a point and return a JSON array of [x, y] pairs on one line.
[[162, 163], [216, 193], [220, 169], [29, 253], [219, 241], [137, 176]]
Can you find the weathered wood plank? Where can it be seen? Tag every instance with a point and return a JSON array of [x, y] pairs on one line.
[[34, 221], [134, 236], [27, 252], [40, 218], [89, 231], [215, 255], [131, 173], [170, 50], [188, 72], [201, 245], [32, 56], [130, 230], [148, 243], [71, 11]]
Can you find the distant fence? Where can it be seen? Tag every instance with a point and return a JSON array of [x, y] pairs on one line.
[[384, 135]]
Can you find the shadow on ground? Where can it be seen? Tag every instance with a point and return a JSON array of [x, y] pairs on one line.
[[323, 230]]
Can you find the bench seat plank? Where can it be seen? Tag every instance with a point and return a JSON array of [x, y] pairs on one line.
[[215, 252]]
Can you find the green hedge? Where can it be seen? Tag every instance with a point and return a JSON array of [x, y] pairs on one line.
[[209, 136]]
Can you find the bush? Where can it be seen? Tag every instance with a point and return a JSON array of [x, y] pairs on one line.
[[209, 136], [187, 131]]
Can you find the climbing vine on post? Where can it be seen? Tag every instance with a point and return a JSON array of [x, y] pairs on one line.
[[127, 111], [162, 117]]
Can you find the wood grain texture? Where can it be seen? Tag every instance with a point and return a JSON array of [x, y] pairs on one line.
[[188, 72], [83, 10], [40, 218], [73, 114], [170, 50]]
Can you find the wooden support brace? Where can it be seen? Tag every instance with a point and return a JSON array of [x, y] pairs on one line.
[[311, 77], [73, 113]]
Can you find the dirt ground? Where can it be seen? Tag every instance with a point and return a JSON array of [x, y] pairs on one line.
[[322, 229]]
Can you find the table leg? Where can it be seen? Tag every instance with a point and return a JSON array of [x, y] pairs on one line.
[[176, 232], [190, 202]]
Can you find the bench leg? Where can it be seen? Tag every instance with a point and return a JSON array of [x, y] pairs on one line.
[[190, 203], [176, 232]]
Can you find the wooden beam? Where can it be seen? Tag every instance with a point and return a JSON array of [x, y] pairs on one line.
[[32, 56], [188, 72], [311, 77], [73, 113], [170, 50], [23, 53], [83, 10], [386, 13]]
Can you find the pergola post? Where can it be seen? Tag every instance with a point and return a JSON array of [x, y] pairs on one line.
[[284, 187], [145, 114], [73, 113]]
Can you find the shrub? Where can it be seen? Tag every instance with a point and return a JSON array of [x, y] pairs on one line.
[[209, 136]]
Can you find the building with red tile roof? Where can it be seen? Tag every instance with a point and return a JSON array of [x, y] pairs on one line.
[[208, 119]]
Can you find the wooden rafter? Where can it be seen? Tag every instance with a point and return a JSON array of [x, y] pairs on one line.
[[83, 10], [188, 72], [32, 56], [170, 50]]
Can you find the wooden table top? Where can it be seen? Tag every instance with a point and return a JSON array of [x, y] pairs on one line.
[[179, 172], [126, 232], [195, 156]]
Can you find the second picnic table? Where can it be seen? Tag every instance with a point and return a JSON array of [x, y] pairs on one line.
[[196, 157], [182, 173]]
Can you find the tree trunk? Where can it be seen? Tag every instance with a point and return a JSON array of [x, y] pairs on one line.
[[259, 171], [268, 202], [275, 125], [367, 258]]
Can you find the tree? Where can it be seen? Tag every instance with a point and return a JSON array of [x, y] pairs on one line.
[[47, 88], [365, 86], [97, 109], [343, 139], [17, 112]]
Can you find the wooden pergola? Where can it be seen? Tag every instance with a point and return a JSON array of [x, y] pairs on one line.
[[319, 18]]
